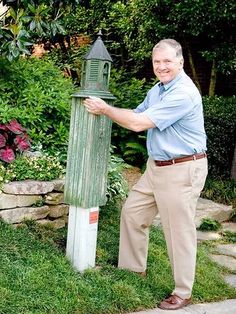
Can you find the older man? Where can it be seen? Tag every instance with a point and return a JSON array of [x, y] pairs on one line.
[[175, 173]]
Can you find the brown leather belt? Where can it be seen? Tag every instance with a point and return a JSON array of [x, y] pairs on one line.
[[161, 163]]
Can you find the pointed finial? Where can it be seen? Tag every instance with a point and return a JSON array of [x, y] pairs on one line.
[[99, 33]]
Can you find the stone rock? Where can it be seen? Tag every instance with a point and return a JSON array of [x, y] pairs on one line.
[[33, 154], [17, 215], [56, 224], [226, 261], [209, 209], [203, 236], [229, 226], [58, 185], [7, 201], [206, 209], [54, 198], [66, 218], [58, 210], [11, 200], [226, 249], [157, 221], [28, 187], [231, 280]]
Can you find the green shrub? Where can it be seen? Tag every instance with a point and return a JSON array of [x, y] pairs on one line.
[[42, 168], [220, 124], [130, 92], [229, 236], [117, 187], [35, 92], [221, 191], [209, 224]]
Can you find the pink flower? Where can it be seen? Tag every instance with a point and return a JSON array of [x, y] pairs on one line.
[[22, 142], [15, 127], [2, 141], [7, 154], [13, 138], [3, 127]]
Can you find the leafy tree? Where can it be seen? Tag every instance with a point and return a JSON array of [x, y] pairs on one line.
[[210, 24], [202, 26], [206, 30], [24, 22], [131, 27]]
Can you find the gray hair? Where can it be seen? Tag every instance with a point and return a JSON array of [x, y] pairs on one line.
[[169, 43]]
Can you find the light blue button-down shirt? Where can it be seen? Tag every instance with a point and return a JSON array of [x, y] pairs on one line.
[[176, 110]]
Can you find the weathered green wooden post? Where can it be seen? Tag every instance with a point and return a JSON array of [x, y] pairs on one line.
[[87, 159]]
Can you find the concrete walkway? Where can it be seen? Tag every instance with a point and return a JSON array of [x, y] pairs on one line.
[[223, 307]]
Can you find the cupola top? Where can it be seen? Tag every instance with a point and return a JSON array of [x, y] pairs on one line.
[[98, 51]]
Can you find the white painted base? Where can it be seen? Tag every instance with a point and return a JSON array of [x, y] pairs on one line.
[[82, 237]]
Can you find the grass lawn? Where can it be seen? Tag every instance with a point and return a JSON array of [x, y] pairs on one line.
[[36, 278]]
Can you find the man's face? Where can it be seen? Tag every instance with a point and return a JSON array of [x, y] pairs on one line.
[[166, 66]]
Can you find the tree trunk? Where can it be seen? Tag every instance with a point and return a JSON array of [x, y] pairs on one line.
[[192, 66], [233, 169], [212, 85]]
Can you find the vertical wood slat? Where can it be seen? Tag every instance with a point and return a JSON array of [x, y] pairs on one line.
[[88, 154]]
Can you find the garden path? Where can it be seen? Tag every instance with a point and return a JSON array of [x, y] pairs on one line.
[[223, 307]]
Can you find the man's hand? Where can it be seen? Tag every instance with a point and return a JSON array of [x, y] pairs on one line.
[[95, 105], [125, 117]]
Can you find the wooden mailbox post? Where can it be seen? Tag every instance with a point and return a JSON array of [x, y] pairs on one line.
[[87, 159]]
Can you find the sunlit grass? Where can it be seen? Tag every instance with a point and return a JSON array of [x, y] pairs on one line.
[[35, 276]]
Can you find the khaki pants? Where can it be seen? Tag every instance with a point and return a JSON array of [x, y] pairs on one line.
[[172, 191]]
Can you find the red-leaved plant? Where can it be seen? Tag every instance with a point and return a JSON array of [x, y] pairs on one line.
[[13, 139]]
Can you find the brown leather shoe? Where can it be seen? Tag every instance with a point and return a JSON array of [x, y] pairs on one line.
[[142, 274], [174, 302]]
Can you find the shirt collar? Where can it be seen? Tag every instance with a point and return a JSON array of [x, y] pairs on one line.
[[168, 85]]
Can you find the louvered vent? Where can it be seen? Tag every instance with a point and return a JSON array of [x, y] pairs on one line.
[[94, 70]]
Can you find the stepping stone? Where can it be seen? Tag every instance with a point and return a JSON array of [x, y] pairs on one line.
[[203, 236], [226, 261], [209, 209], [157, 221], [231, 280], [229, 226], [225, 307], [227, 249]]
